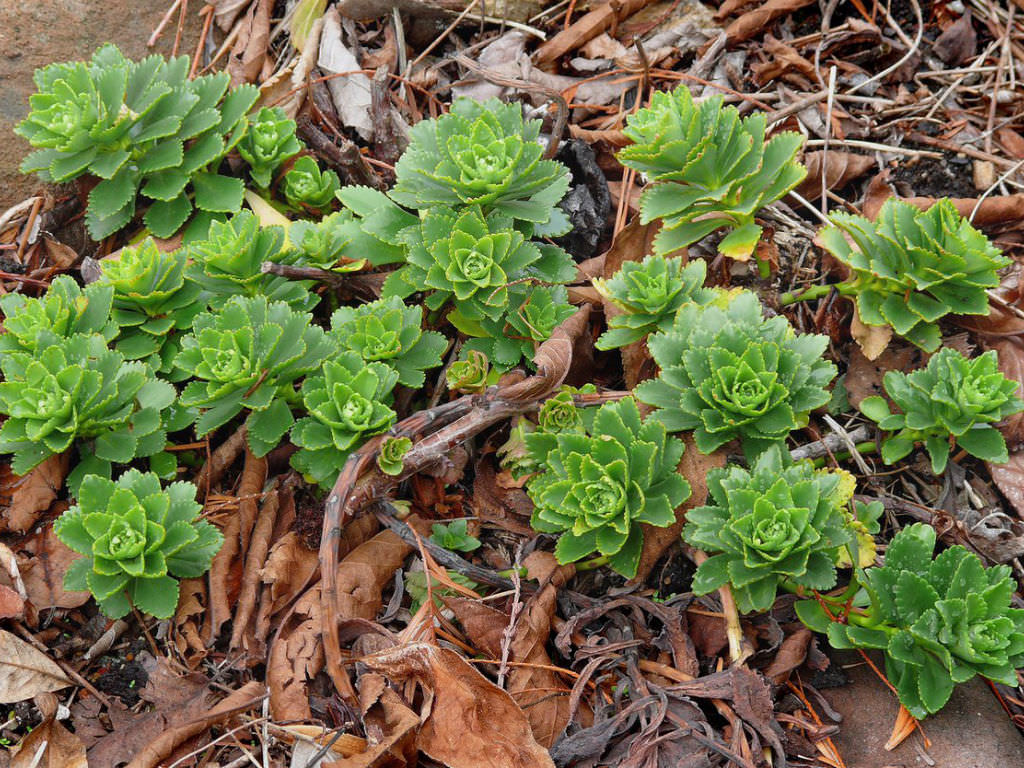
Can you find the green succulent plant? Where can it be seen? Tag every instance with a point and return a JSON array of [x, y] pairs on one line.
[[374, 225], [940, 621], [415, 584], [597, 487], [709, 168], [391, 458], [144, 128], [909, 267], [454, 536], [31, 325], [649, 293], [229, 262], [269, 142], [79, 390], [773, 524], [305, 186], [952, 399], [136, 537], [389, 332], [349, 403], [729, 373], [153, 302], [333, 243], [249, 356], [483, 154], [471, 375], [533, 314]]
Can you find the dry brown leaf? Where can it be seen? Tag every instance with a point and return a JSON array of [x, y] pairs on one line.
[[752, 22], [256, 556], [289, 568], [494, 502], [26, 672], [1009, 478], [249, 53], [586, 28], [783, 59], [59, 255], [12, 606], [24, 499], [872, 339], [993, 211], [1012, 142], [791, 654], [958, 42], [468, 721], [1011, 363], [694, 466], [227, 11], [45, 559], [248, 696], [842, 168], [384, 713], [50, 744]]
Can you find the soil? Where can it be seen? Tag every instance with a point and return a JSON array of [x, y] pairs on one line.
[[34, 34]]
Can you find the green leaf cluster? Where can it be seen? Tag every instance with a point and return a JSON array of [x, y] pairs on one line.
[[78, 389], [483, 154], [709, 168], [348, 403], [912, 267], [952, 399], [778, 522], [649, 293], [391, 458], [598, 485], [269, 142], [940, 621], [144, 128], [726, 372], [470, 375], [31, 324], [454, 536], [153, 302], [389, 332], [249, 356], [307, 188], [136, 537]]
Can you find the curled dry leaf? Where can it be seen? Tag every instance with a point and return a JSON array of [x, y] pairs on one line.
[[50, 744], [752, 22], [245, 64], [23, 500], [386, 714], [26, 672], [290, 566], [872, 339], [841, 168], [467, 721], [1009, 478]]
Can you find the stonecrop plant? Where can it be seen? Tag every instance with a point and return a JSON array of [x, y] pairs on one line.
[[531, 317], [708, 168], [389, 332], [143, 128], [307, 188], [248, 356], [727, 372], [483, 154], [32, 324], [596, 487], [153, 302], [76, 389], [939, 621], [909, 267], [268, 143], [953, 399], [349, 403], [649, 293], [778, 523], [136, 538]]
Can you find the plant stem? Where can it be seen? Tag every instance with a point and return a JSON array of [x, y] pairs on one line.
[[587, 565], [862, 448], [808, 294]]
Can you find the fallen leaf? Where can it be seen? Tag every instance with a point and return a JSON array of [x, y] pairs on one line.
[[841, 169], [752, 22], [384, 713], [791, 654], [467, 721], [958, 42], [864, 376], [25, 672], [1009, 478], [24, 499], [50, 744], [289, 569], [783, 59], [245, 64], [351, 92], [872, 339], [45, 559], [1011, 363], [1012, 141], [12, 606]]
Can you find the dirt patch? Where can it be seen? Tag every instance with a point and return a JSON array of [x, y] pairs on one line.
[[35, 34]]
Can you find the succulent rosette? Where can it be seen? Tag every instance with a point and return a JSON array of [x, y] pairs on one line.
[[391, 458], [144, 128], [78, 389], [31, 324], [483, 154], [229, 262], [596, 487], [389, 332], [269, 141], [306, 186], [709, 168], [940, 620], [909, 267], [153, 302], [349, 403], [470, 375], [533, 314], [952, 398], [726, 372], [249, 356], [649, 293], [775, 523], [136, 538]]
